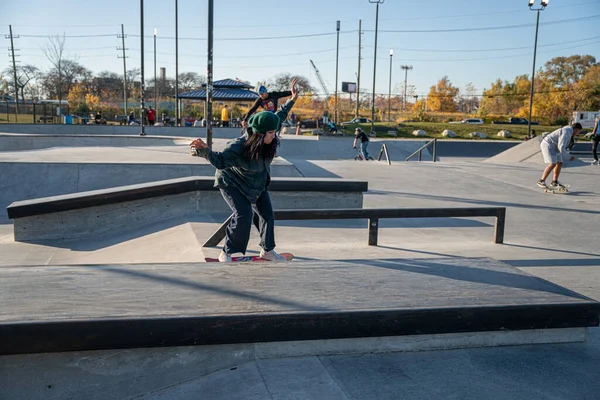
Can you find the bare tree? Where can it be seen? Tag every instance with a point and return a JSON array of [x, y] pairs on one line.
[[55, 52], [26, 76]]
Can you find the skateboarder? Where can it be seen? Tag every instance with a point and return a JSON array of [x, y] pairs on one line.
[[554, 150], [596, 139], [267, 100], [243, 177]]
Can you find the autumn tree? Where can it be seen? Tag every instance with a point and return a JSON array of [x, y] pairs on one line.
[[566, 71], [441, 96], [283, 82]]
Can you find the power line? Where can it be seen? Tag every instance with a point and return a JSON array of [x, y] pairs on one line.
[[488, 28], [486, 50], [256, 38], [483, 14]]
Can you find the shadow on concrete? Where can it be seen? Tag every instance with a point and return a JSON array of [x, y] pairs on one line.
[[310, 170], [494, 203], [431, 253], [554, 262], [487, 276], [183, 283], [562, 251], [113, 238]]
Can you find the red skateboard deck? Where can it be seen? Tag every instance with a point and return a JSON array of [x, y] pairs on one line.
[[287, 256]]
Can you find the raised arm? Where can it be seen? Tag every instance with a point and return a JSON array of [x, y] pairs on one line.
[[252, 110], [230, 157], [285, 109]]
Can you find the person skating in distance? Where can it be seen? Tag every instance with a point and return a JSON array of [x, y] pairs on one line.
[[554, 150]]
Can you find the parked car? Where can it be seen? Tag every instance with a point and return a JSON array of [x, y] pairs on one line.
[[468, 121], [515, 121], [308, 123], [359, 120]]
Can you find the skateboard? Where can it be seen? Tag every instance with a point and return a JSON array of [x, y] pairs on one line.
[[287, 256], [557, 191]]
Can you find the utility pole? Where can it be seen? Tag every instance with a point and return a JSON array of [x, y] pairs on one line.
[[155, 81], [337, 57], [375, 62], [177, 111], [124, 69], [209, 75], [390, 88], [358, 74], [142, 131], [405, 68], [12, 49]]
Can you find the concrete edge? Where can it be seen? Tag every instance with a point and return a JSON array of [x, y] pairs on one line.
[[434, 342]]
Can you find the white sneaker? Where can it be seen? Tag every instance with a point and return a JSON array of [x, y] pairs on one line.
[[271, 256], [596, 162], [224, 257]]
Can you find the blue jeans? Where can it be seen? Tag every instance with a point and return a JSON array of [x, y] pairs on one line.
[[244, 214], [363, 150]]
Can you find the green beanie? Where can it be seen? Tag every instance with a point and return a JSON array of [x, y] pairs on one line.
[[264, 122]]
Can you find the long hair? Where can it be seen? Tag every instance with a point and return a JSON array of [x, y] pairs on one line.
[[254, 148]]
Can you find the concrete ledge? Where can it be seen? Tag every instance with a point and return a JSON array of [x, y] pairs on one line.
[[159, 305], [96, 212]]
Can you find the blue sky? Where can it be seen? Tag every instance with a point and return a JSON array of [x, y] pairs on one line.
[[250, 41]]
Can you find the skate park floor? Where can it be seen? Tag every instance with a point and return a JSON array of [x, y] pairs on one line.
[[550, 236]]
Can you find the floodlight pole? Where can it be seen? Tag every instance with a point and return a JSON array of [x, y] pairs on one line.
[[155, 82], [405, 68], [177, 109], [377, 2], [142, 130], [209, 76], [337, 56], [358, 74], [537, 23], [390, 88]]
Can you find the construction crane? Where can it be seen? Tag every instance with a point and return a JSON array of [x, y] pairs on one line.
[[320, 79]]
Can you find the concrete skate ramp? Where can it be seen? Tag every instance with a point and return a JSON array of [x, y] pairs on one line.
[[24, 142], [528, 151]]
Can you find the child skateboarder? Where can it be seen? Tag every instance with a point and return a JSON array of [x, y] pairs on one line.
[[554, 150], [243, 177]]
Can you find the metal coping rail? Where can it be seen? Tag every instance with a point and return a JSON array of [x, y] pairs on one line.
[[434, 141], [374, 214]]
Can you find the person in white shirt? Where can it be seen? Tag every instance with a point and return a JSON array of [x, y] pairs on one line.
[[554, 150]]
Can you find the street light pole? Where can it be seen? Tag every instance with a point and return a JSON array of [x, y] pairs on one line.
[[155, 82], [377, 2], [390, 88], [337, 56], [537, 23], [142, 131], [177, 105], [405, 68], [209, 75]]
